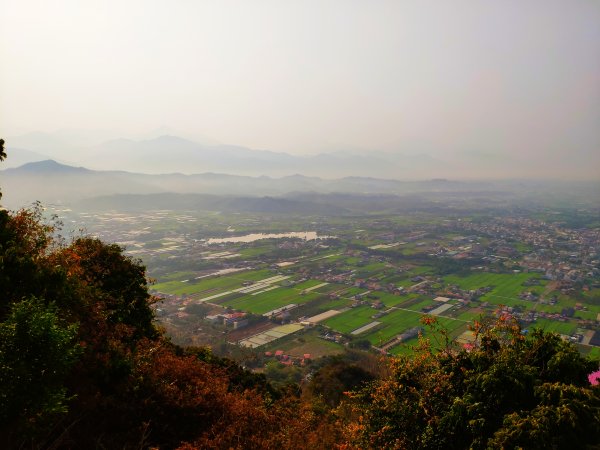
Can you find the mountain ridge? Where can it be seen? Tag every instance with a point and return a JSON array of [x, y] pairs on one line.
[[53, 182], [155, 153]]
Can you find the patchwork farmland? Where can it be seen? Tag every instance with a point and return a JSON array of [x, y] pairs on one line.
[[368, 281]]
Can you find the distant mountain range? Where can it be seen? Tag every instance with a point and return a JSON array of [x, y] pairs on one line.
[[163, 151], [168, 153], [53, 183]]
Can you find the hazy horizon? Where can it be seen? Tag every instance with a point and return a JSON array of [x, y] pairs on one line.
[[506, 89]]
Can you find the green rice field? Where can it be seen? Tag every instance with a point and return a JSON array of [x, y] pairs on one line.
[[399, 321], [505, 284], [213, 284], [268, 301], [351, 320], [555, 326]]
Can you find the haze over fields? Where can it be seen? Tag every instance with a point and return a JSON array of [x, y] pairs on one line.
[[404, 90]]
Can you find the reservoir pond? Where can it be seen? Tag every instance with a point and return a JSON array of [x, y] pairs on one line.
[[306, 235]]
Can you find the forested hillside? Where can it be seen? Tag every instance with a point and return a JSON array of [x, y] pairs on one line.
[[83, 364]]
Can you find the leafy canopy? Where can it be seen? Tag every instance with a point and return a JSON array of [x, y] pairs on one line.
[[506, 391]]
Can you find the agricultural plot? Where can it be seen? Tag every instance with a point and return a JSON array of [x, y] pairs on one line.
[[365, 328], [322, 316], [592, 307], [364, 274], [404, 348], [393, 324], [410, 300], [437, 342], [265, 285], [538, 290], [270, 335], [388, 300], [399, 321], [319, 305], [423, 304], [384, 246], [587, 315], [441, 309], [354, 291], [323, 259], [505, 283], [411, 250], [331, 288], [373, 267], [338, 303], [418, 270], [505, 287], [398, 280], [508, 301], [310, 285], [556, 326], [178, 276], [254, 275], [470, 314], [268, 301], [253, 252], [562, 303], [316, 288], [191, 285], [351, 320], [299, 344], [352, 261]]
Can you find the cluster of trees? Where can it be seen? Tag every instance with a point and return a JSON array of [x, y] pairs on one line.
[[84, 365], [506, 390]]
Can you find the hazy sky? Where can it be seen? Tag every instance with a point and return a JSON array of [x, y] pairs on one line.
[[440, 77]]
